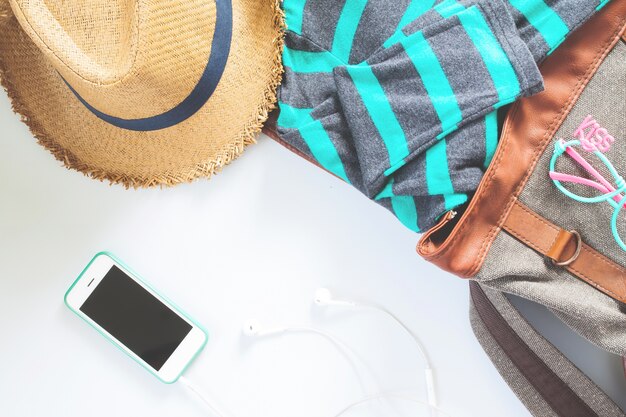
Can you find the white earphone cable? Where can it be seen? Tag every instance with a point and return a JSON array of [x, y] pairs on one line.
[[395, 395], [189, 385], [383, 395], [430, 383], [324, 297], [342, 347], [395, 318], [428, 371], [324, 334]]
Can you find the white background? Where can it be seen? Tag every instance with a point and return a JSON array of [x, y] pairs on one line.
[[253, 242]]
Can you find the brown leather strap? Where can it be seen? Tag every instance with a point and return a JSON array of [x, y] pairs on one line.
[[529, 127], [567, 249], [561, 398]]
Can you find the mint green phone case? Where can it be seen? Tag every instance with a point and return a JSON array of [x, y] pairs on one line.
[[114, 342]]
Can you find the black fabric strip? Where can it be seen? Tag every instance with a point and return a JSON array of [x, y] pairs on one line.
[[204, 89], [561, 398]]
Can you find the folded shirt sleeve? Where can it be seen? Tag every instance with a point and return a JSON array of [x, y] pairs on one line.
[[544, 25], [450, 68]]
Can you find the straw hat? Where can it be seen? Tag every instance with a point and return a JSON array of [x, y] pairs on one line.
[[142, 92]]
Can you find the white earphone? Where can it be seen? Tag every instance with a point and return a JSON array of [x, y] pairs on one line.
[[253, 328], [323, 298]]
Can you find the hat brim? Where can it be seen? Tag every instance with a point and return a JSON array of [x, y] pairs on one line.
[[197, 147]]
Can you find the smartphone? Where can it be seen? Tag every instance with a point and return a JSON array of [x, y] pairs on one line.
[[135, 318]]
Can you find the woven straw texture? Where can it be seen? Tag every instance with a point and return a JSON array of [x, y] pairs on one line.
[[135, 59]]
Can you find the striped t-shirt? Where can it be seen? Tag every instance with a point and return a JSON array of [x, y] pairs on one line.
[[399, 98]]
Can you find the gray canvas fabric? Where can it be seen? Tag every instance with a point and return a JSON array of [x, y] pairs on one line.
[[513, 267], [575, 380]]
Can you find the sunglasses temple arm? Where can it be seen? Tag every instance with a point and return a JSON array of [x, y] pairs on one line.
[[557, 176], [578, 158], [579, 180]]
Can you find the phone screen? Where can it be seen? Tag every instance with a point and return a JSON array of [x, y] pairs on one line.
[[136, 318]]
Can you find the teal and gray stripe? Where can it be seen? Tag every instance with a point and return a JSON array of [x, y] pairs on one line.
[[383, 14], [399, 98], [544, 24], [315, 137]]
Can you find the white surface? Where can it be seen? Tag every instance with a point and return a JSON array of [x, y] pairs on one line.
[[254, 242]]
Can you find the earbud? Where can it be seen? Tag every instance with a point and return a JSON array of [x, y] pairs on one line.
[[323, 297], [252, 328]]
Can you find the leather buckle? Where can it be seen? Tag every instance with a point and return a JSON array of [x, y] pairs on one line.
[[579, 246]]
